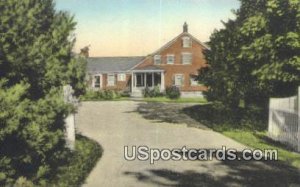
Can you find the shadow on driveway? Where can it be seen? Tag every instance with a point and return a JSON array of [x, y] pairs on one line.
[[239, 173]]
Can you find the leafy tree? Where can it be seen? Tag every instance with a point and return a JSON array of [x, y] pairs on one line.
[[257, 55], [35, 62]]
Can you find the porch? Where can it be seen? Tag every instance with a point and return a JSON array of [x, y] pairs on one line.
[[147, 77]]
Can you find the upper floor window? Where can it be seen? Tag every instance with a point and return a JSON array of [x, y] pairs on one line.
[[170, 59], [121, 77], [186, 42], [187, 58], [157, 59], [110, 79]]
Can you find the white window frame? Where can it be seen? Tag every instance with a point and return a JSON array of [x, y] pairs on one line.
[[111, 82], [94, 81], [170, 59], [157, 59], [121, 77], [181, 80], [186, 42], [194, 82], [185, 57]]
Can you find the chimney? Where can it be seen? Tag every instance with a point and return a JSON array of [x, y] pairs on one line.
[[185, 27], [85, 51]]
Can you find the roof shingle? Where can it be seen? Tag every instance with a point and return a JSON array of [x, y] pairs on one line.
[[112, 64]]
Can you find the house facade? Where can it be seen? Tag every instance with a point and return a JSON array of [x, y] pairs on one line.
[[175, 64]]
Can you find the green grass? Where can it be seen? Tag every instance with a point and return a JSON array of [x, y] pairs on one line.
[[180, 100], [80, 164], [259, 140]]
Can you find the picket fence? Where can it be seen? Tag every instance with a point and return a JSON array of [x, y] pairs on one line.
[[284, 121]]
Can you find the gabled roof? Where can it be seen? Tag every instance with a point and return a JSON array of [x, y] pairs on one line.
[[112, 64], [175, 39]]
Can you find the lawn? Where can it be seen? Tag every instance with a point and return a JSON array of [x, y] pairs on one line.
[[259, 140], [180, 100], [81, 162]]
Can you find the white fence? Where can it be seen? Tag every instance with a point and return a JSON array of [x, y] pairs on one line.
[[284, 121]]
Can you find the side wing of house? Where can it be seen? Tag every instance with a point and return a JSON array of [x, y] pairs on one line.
[[111, 73]]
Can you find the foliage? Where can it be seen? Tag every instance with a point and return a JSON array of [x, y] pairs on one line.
[[155, 92], [80, 163], [173, 92], [256, 56], [35, 62], [92, 95]]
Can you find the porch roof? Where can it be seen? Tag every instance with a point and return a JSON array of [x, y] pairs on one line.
[[149, 69]]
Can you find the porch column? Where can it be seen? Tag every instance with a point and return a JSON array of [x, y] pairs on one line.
[[145, 80], [153, 79], [132, 79], [162, 81]]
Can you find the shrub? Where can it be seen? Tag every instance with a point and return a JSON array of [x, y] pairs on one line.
[[80, 163], [155, 92], [173, 92], [101, 95]]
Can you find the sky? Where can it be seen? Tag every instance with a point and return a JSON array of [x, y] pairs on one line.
[[140, 27]]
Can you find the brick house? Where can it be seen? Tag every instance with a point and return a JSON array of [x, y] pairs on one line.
[[176, 63]]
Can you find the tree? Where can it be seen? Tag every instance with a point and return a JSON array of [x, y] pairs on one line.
[[257, 55], [35, 62]]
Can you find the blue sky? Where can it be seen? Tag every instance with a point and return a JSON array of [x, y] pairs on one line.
[[139, 27]]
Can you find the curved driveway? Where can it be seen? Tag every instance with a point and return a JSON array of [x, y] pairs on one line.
[[116, 124]]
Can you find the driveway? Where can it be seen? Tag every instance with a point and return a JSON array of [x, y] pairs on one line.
[[117, 124]]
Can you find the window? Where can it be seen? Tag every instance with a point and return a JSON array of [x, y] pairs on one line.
[[97, 81], [186, 58], [186, 42], [110, 80], [157, 59], [121, 77], [178, 80], [193, 81], [170, 59]]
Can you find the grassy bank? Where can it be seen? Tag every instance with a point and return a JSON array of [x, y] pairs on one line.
[[259, 140], [247, 126], [80, 164]]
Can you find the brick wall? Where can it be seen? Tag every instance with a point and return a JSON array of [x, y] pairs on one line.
[[198, 61]]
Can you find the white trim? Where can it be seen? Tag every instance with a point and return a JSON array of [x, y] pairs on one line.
[[93, 81], [185, 54], [182, 79], [168, 56], [108, 82], [186, 42], [146, 71], [157, 58], [121, 77]]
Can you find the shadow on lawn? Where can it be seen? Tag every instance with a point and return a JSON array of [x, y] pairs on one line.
[[238, 173]]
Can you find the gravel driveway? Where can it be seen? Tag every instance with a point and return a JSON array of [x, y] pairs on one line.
[[117, 124]]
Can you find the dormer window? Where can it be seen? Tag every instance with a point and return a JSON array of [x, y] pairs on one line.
[[157, 59], [186, 42]]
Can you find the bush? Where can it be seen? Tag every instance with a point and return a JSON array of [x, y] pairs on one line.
[[155, 92], [81, 162], [173, 92], [101, 95]]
